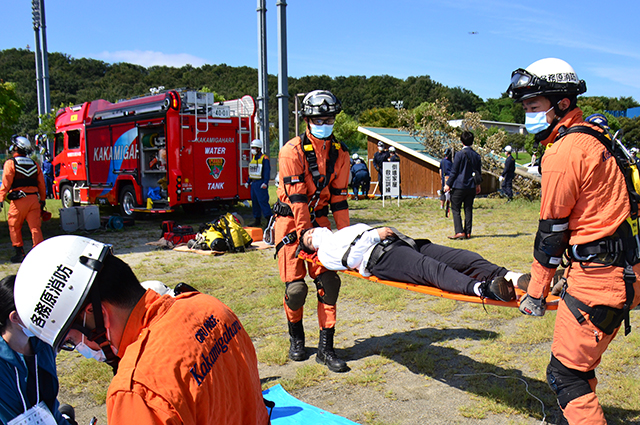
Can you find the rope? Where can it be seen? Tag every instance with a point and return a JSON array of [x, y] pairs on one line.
[[526, 388]]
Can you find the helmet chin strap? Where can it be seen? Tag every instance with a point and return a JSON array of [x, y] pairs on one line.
[[99, 333], [544, 134]]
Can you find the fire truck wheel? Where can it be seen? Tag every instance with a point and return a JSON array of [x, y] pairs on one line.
[[127, 201], [66, 196]]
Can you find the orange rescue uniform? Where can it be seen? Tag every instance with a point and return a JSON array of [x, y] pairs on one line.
[[185, 360], [296, 194], [582, 181], [27, 208]]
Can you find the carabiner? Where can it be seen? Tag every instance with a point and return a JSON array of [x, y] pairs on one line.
[[574, 253]]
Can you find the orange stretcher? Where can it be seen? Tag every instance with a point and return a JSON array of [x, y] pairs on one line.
[[552, 300]]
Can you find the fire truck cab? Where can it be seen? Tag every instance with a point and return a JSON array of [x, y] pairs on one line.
[[153, 153]]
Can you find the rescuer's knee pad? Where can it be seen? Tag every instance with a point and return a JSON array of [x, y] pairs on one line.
[[328, 285], [568, 384], [295, 294]]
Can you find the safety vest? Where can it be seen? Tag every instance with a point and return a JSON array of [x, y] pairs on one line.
[[26, 172], [255, 168]]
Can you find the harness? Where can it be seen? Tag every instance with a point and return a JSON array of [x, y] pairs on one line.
[[387, 245], [319, 180], [622, 249]]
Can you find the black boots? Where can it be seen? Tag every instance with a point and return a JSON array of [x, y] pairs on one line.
[[297, 352], [326, 355], [256, 223], [499, 289], [19, 255]]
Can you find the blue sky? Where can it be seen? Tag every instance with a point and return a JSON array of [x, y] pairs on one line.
[[400, 38]]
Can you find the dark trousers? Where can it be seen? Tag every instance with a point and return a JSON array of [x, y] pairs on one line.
[[459, 197], [260, 200], [507, 187], [361, 182], [450, 269]]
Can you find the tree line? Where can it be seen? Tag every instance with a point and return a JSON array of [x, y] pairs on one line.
[[366, 100]]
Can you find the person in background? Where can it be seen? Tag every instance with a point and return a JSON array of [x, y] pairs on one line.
[[445, 170], [585, 218], [464, 186], [259, 175], [360, 178], [47, 170], [508, 174], [177, 360], [28, 376], [378, 158], [23, 185]]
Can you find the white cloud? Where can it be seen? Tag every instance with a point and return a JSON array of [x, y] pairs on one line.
[[149, 58], [626, 76]]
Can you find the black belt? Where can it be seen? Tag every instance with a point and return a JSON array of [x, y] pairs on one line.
[[386, 245], [19, 194]]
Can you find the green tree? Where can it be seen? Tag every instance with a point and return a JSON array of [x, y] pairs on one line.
[[10, 111], [346, 130], [631, 131], [380, 117], [502, 110], [216, 96]]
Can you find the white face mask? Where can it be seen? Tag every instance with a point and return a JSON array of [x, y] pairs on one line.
[[253, 151], [535, 122], [27, 332], [87, 351]]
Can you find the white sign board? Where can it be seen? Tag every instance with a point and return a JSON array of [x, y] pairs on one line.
[[391, 179]]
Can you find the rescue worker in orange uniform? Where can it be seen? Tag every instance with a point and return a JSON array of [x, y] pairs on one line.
[[178, 360], [584, 210], [23, 185], [314, 174]]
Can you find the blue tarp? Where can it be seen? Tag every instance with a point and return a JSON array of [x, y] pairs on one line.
[[291, 411]]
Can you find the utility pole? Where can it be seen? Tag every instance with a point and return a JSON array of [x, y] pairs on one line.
[[42, 63], [263, 93], [35, 7], [283, 82]]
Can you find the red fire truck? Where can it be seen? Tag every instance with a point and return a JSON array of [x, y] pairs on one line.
[[153, 153]]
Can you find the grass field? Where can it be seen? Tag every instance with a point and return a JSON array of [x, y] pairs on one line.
[[414, 359]]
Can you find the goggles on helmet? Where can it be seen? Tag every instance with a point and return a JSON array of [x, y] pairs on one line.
[[320, 103], [525, 85]]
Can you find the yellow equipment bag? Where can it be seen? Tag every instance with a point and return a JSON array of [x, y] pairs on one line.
[[226, 234]]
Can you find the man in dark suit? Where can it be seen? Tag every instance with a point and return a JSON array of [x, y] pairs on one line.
[[508, 174], [464, 183]]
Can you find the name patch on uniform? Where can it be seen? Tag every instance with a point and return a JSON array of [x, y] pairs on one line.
[[220, 346]]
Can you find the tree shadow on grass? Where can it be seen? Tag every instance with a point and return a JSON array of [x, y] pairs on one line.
[[418, 351]]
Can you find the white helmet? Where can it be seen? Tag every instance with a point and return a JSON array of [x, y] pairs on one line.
[[355, 156], [507, 149], [256, 143], [53, 283], [22, 144], [546, 77], [392, 149]]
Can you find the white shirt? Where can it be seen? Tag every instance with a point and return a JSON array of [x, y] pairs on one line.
[[333, 246]]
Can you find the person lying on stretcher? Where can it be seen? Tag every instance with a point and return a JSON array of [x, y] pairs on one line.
[[389, 255]]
